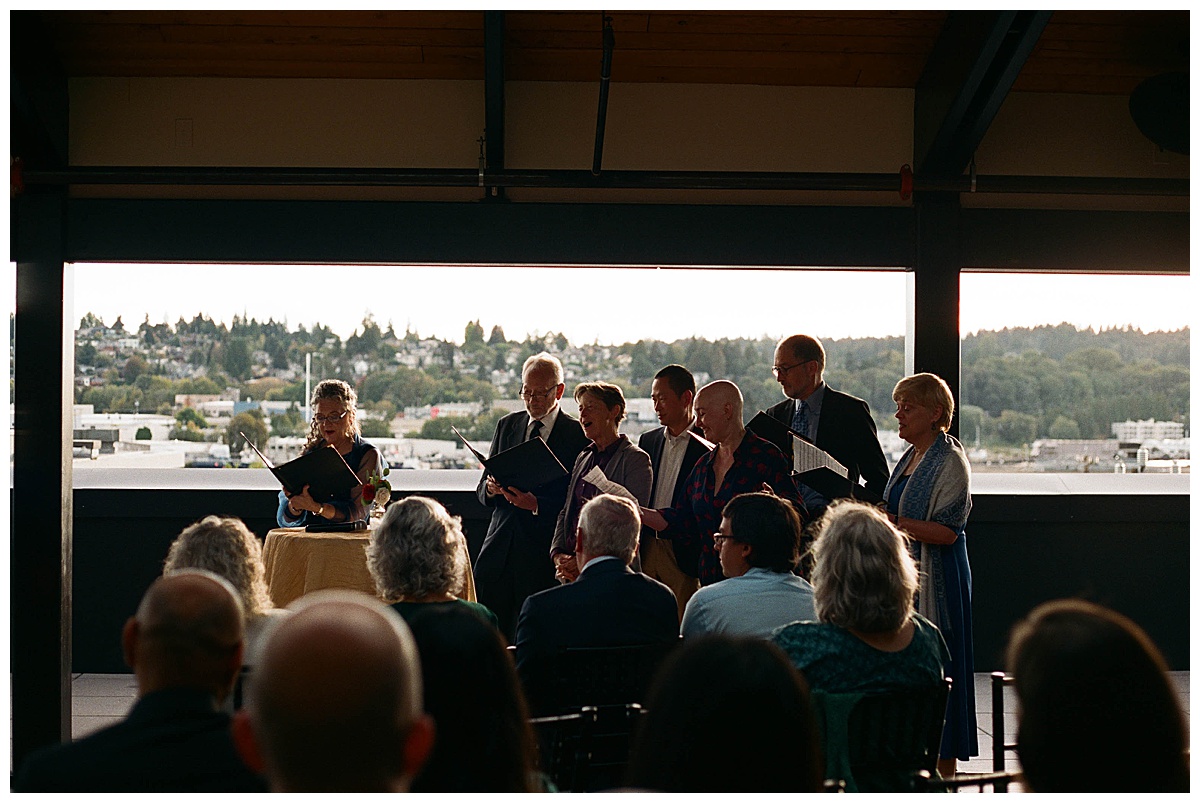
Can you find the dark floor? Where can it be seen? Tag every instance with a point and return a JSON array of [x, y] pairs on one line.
[[99, 700]]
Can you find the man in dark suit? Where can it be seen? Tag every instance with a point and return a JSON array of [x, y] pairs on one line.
[[514, 561], [839, 423], [608, 605], [674, 449], [185, 648]]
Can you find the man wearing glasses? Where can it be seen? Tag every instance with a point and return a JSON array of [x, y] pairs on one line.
[[837, 422], [513, 562]]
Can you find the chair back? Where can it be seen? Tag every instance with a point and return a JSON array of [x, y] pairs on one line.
[[599, 676], [1000, 744], [876, 742], [587, 750], [925, 781]]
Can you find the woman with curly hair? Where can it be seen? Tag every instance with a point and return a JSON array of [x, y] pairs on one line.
[[417, 556], [334, 407], [225, 546]]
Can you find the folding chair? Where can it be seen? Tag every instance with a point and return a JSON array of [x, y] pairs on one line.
[[924, 781], [1000, 747], [587, 750], [876, 742]]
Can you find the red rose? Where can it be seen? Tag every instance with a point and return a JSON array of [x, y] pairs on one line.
[[368, 493]]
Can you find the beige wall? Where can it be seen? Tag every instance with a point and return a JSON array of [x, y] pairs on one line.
[[428, 124]]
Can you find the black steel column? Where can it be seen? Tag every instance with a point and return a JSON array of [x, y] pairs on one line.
[[41, 538], [933, 342]]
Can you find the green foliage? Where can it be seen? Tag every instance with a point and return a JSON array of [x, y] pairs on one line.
[[188, 432], [1064, 427], [190, 415], [143, 434], [289, 424], [250, 422], [497, 337], [134, 367], [1016, 429], [472, 336], [375, 428], [236, 359]]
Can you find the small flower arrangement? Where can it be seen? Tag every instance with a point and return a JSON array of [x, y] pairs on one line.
[[377, 489]]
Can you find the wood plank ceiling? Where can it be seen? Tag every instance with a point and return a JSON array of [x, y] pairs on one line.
[[1095, 52]]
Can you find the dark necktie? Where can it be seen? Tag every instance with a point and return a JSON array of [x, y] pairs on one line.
[[534, 430], [800, 418]]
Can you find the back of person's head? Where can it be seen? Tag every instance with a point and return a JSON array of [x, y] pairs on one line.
[[484, 742], [863, 576], [610, 525], [769, 525], [335, 701], [727, 715], [414, 551], [1097, 709], [224, 546], [187, 633]]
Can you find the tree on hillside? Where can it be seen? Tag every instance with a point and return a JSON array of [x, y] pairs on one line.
[[497, 336], [237, 361], [472, 336], [250, 422], [134, 367], [190, 415]]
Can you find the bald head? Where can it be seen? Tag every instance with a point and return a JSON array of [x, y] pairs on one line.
[[187, 633], [336, 696], [719, 411]]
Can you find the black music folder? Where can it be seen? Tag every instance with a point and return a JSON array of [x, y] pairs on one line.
[[525, 466], [773, 430], [324, 471], [833, 485]]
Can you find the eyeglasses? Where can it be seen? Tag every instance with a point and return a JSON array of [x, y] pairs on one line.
[[536, 394], [718, 539], [779, 369], [321, 419]]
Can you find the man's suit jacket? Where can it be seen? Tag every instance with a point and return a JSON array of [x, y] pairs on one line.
[[847, 431], [687, 556], [514, 561], [608, 605], [173, 740]]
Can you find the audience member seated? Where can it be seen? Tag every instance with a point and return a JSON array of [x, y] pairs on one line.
[[484, 742], [608, 605], [335, 702], [225, 546], [867, 638], [727, 714], [759, 546], [185, 647], [415, 557], [1098, 712]]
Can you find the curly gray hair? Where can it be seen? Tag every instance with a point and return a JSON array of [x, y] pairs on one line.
[[224, 546], [415, 551], [864, 578]]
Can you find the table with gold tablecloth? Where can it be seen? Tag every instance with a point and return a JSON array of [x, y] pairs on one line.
[[298, 562]]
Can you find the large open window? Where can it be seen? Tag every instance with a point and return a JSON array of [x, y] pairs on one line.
[[1061, 373]]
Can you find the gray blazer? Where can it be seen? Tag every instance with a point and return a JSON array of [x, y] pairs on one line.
[[630, 467]]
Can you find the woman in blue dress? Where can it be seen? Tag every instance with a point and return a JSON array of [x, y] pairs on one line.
[[929, 498], [335, 407]]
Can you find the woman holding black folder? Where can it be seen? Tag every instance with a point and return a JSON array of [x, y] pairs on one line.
[[335, 423]]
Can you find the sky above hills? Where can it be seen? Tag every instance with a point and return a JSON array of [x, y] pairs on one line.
[[614, 305]]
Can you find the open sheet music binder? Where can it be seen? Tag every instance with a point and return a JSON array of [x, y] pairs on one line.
[[323, 470], [833, 485], [525, 466]]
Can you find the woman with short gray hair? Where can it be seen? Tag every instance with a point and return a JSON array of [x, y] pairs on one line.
[[418, 559]]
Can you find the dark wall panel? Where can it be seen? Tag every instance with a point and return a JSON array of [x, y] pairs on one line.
[[1130, 553]]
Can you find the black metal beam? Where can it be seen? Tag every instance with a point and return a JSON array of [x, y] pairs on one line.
[[38, 99], [970, 70], [610, 179], [41, 546], [493, 96]]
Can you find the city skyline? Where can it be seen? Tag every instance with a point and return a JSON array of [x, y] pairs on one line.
[[604, 305]]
